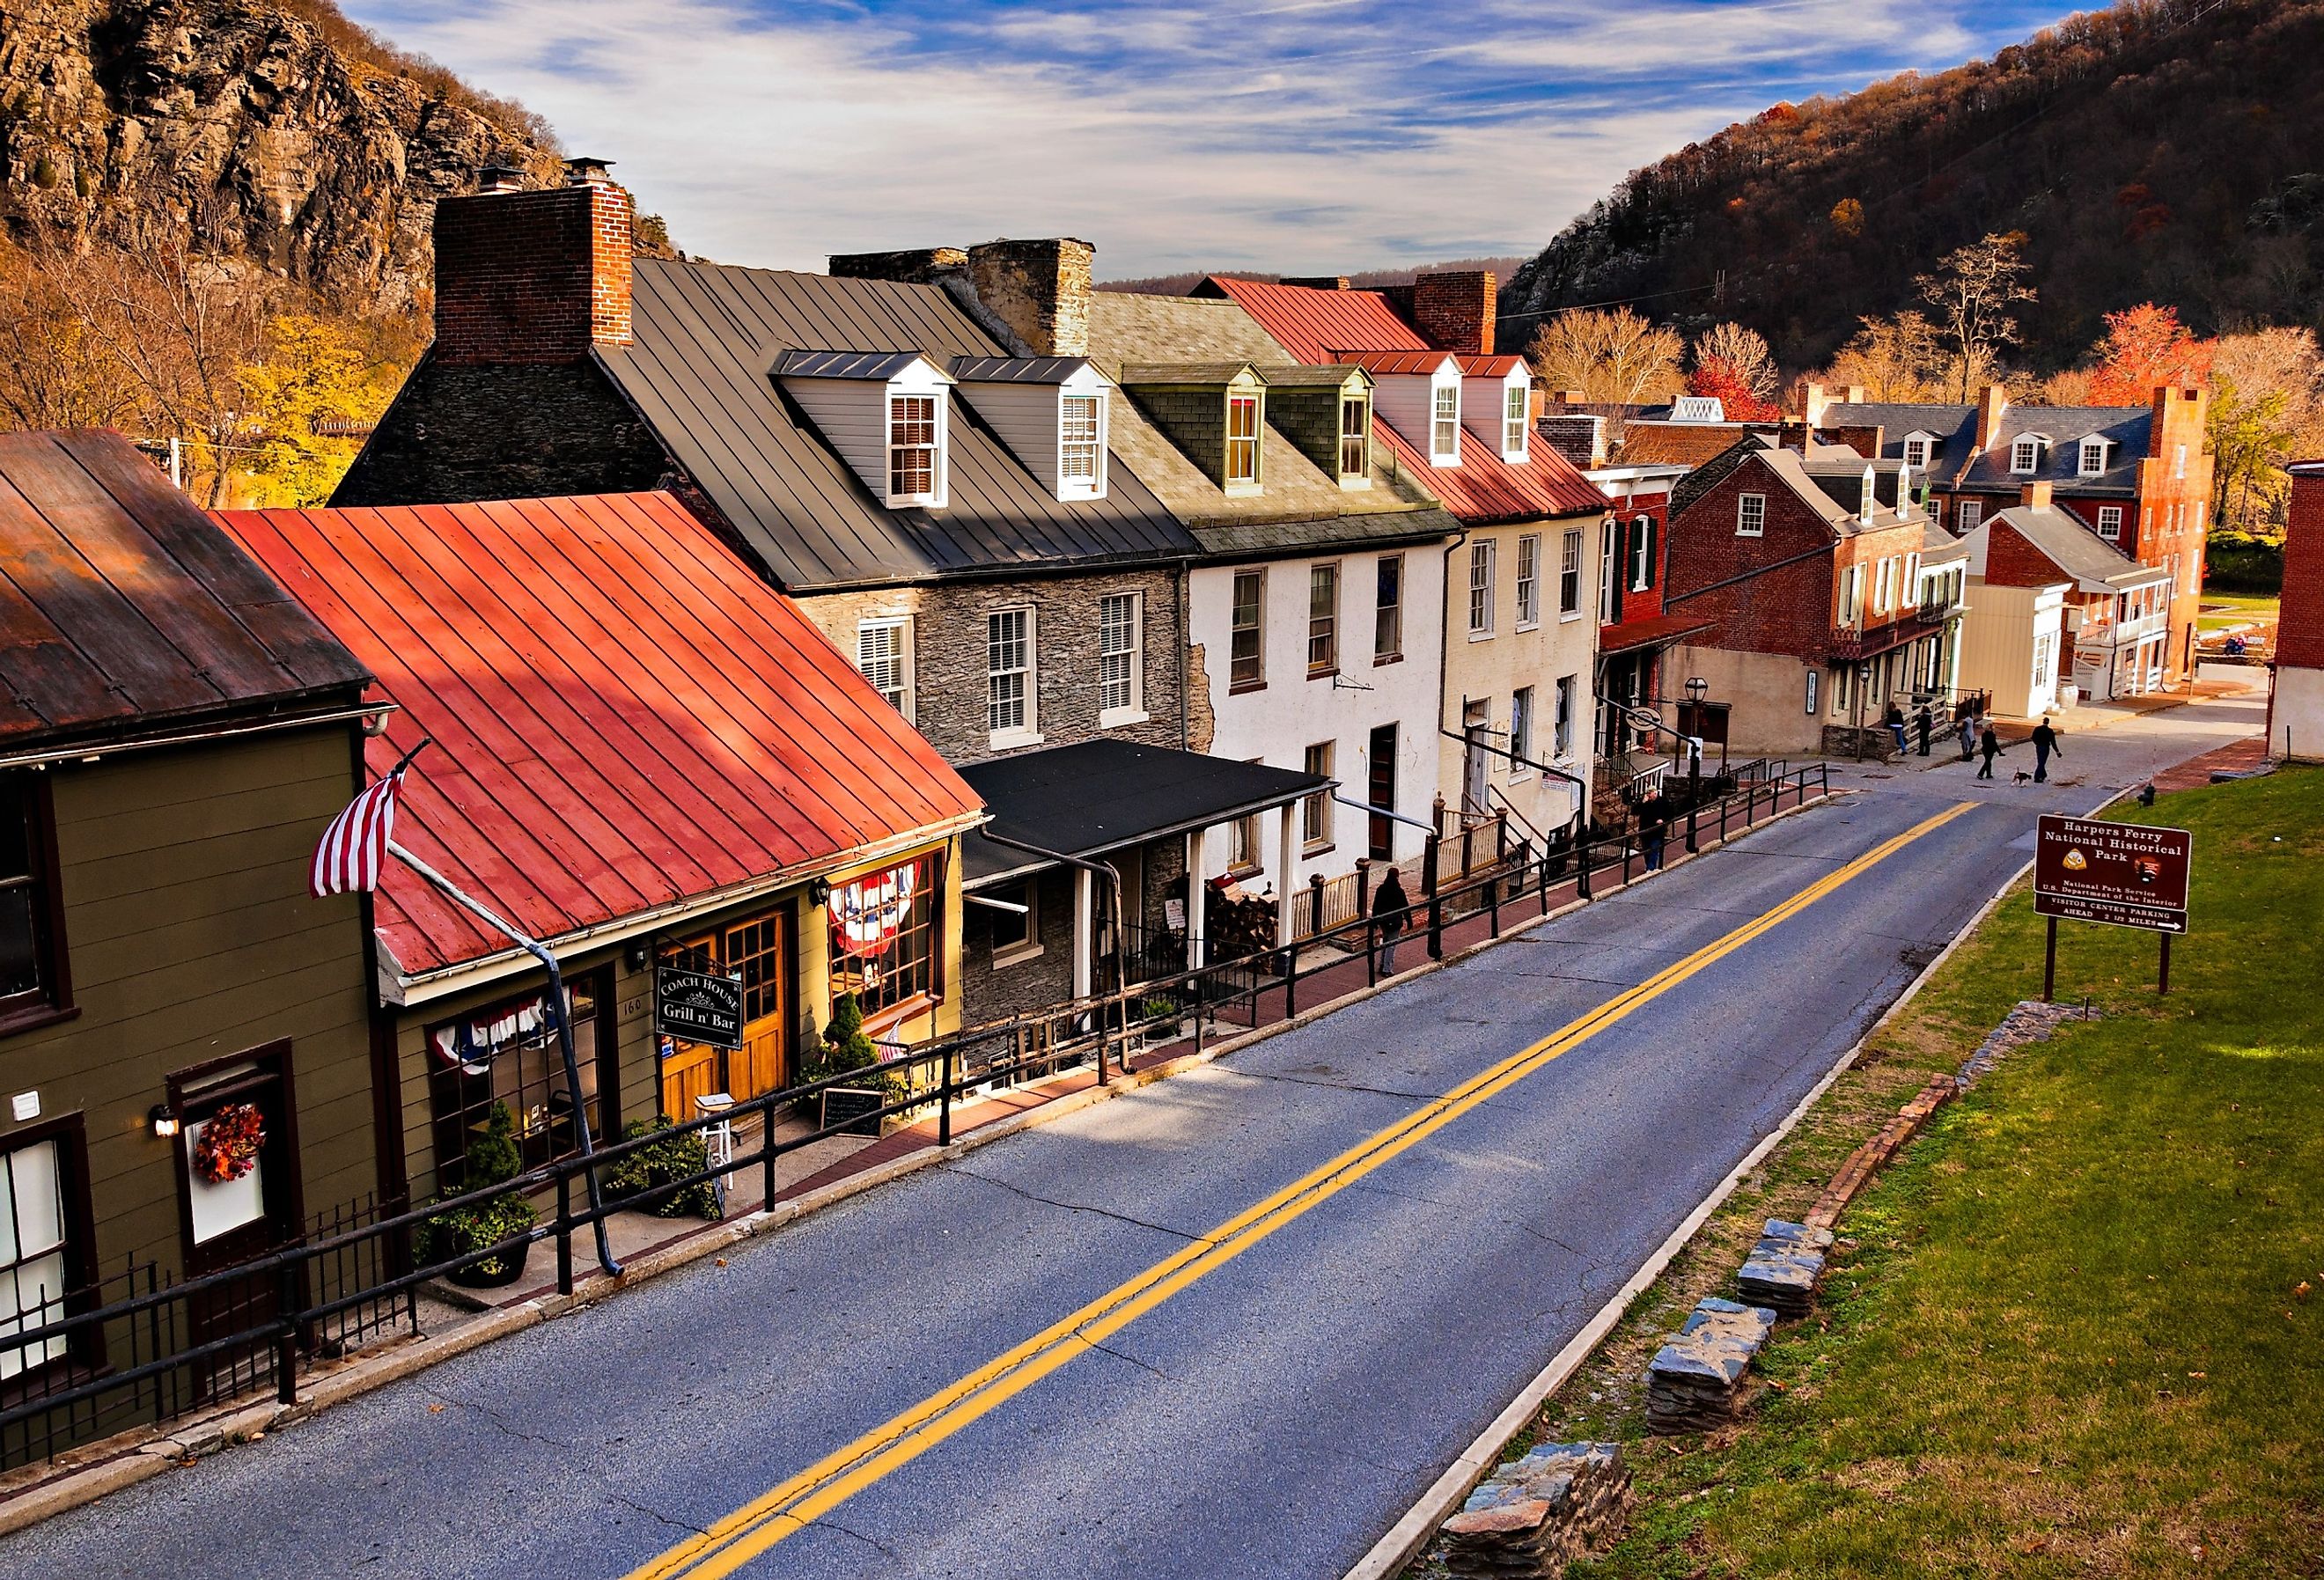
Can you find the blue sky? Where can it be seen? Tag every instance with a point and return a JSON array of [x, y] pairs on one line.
[[1308, 136]]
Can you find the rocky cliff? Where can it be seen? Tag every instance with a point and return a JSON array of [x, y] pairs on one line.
[[280, 132]]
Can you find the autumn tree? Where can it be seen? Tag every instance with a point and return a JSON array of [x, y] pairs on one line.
[[1742, 353], [2267, 410], [1616, 359], [315, 383], [1895, 358], [56, 368], [1972, 297], [1723, 382], [2144, 346]]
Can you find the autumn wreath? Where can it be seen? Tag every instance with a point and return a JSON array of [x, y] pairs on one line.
[[229, 1143]]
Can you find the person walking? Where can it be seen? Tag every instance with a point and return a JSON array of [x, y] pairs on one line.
[[2045, 741], [1925, 723], [1895, 720], [1990, 746], [1967, 728], [1654, 830], [1391, 916]]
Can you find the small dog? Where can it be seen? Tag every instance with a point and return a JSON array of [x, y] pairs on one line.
[[2020, 777]]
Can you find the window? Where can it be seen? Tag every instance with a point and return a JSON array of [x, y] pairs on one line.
[[1884, 588], [1008, 672], [1444, 436], [1242, 841], [912, 425], [1528, 581], [508, 1054], [1323, 619], [883, 651], [1520, 727], [1852, 594], [1316, 810], [1562, 741], [2041, 651], [1242, 440], [2094, 452], [1568, 575], [1937, 509], [2110, 522], [2179, 462], [1751, 516], [1015, 934], [42, 1186], [1916, 452], [886, 942], [1841, 675], [1480, 588], [1081, 447], [1244, 657], [1609, 540], [1973, 511], [1642, 554], [1387, 610], [1122, 644], [1355, 436], [2026, 455], [32, 981], [1514, 421]]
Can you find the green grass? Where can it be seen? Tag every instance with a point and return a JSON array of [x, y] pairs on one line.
[[2064, 1335]]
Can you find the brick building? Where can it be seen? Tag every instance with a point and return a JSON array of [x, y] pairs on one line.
[[2295, 715]]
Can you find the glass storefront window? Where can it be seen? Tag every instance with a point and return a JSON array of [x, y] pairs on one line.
[[508, 1054], [886, 935]]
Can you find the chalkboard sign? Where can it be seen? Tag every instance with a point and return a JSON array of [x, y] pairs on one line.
[[697, 1006], [851, 1110]]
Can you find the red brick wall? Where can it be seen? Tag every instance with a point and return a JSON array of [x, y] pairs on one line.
[[1645, 605], [2011, 561], [2300, 638], [1784, 611], [532, 277], [1455, 310]]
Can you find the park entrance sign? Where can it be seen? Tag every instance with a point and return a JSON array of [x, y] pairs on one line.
[[2120, 873]]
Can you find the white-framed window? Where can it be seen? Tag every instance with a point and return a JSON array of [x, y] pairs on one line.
[[1515, 422], [915, 432], [1355, 436], [1243, 842], [1480, 587], [1081, 445], [1916, 452], [1528, 581], [2110, 522], [35, 1261], [1323, 619], [1642, 554], [1937, 509], [1387, 609], [1122, 658], [1973, 511], [1568, 575], [1009, 696], [1242, 442], [1883, 593], [1444, 432], [1610, 554], [2044, 650], [1015, 934], [2093, 457], [1751, 516], [1851, 596], [1247, 630], [1316, 810], [1562, 741], [2179, 462], [883, 651], [2025, 454], [1520, 728]]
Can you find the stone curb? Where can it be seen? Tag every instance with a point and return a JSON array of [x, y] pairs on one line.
[[105, 1468]]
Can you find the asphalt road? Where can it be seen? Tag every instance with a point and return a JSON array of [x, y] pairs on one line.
[[1272, 1418]]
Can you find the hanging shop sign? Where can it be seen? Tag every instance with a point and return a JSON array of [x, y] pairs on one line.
[[699, 1006], [2120, 873], [868, 913]]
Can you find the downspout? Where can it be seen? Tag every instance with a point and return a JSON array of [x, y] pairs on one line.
[[1185, 647]]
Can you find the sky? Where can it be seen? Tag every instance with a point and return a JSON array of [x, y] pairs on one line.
[[1301, 136]]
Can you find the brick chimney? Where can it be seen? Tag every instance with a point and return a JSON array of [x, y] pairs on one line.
[[2035, 496], [2181, 417], [533, 277], [2300, 633], [1855, 394], [1039, 289], [1813, 403], [1991, 405], [1454, 311]]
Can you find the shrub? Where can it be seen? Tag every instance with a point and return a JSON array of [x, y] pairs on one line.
[[649, 1168], [493, 1160], [846, 1048]]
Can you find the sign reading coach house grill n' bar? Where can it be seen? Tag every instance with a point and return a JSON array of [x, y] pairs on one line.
[[699, 1006], [2124, 874]]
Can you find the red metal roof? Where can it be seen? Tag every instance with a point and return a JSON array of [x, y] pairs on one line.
[[625, 715], [1317, 325], [1396, 362], [1476, 366], [1651, 631]]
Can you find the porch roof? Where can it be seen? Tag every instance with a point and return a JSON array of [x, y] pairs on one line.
[[1096, 796], [1655, 631]]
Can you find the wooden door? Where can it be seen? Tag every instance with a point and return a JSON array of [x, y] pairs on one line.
[[226, 1222], [691, 1069], [758, 950], [1380, 789]]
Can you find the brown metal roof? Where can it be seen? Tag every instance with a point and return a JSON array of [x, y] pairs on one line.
[[125, 612]]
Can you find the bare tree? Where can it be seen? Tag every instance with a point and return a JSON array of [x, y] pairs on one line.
[[1743, 352], [1616, 359], [56, 368], [1972, 294], [1893, 359]]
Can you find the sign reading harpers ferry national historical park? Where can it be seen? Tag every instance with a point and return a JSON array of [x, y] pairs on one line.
[[699, 1006], [2122, 873]]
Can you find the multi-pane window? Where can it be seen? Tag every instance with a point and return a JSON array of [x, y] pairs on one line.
[[1242, 438], [1008, 670], [36, 1270], [1528, 580], [1642, 554], [28, 976], [1316, 810], [1120, 644], [1973, 511], [2110, 522], [508, 1054], [1521, 723], [1852, 594], [1016, 935], [883, 651], [911, 446], [1610, 540], [2026, 455], [1244, 663], [1513, 420], [1387, 609], [1323, 619], [1563, 740], [1480, 587], [1355, 436], [1916, 452], [2093, 456], [1445, 439], [1080, 453], [2042, 646], [886, 935], [1569, 575], [1751, 516]]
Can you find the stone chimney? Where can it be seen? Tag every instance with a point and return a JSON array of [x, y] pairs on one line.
[[533, 276], [1318, 282], [2035, 496], [1814, 402], [1454, 311], [912, 266], [1039, 289], [1990, 406]]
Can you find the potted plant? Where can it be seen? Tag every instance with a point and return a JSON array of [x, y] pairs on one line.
[[493, 1160], [1161, 1016], [651, 1166], [847, 1048]]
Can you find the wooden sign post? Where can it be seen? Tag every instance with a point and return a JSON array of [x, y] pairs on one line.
[[2120, 874]]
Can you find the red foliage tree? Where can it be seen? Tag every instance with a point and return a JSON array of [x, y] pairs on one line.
[[2144, 346], [1718, 377]]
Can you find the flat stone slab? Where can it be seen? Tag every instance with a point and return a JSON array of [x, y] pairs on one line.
[[1537, 1515], [1785, 1269], [1695, 1381]]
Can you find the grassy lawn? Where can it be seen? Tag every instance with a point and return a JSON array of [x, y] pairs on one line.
[[2079, 1328], [2222, 610]]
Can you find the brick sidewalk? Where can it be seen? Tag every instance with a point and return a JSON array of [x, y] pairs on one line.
[[2235, 757]]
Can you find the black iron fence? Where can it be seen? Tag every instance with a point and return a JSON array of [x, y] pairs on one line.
[[150, 1349]]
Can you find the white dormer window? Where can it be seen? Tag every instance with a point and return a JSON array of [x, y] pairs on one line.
[[1869, 499], [2025, 454], [886, 414], [1355, 436], [1052, 414], [1918, 449], [1081, 445], [1516, 423], [914, 429], [2093, 458], [1444, 430], [1242, 442]]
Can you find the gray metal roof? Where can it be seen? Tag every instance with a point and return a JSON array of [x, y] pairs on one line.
[[2096, 565], [877, 366], [1187, 373], [1957, 463], [705, 338], [1017, 370]]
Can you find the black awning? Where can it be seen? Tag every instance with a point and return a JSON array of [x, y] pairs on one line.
[[1098, 796]]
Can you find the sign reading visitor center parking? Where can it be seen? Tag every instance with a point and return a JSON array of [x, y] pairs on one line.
[[2119, 873], [696, 1006]]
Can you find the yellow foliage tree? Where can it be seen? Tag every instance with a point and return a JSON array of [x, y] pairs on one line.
[[1848, 218], [316, 373]]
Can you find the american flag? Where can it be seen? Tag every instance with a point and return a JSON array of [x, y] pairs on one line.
[[354, 848]]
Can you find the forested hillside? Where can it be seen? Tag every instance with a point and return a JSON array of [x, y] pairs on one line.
[[2170, 151]]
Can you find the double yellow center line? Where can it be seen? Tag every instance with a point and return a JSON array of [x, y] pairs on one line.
[[782, 1511]]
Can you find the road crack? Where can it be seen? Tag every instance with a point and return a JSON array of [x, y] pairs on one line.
[[493, 1418], [1071, 1206], [1133, 1360], [828, 1522], [655, 1514]]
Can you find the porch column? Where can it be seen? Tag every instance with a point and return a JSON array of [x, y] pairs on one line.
[[1197, 896], [1085, 932], [1286, 819]]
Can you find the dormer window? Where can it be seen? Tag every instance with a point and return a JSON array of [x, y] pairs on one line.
[[1355, 436], [1242, 442], [913, 424], [1445, 431], [2025, 454], [1869, 499], [886, 414], [1081, 445], [2094, 457], [1051, 413], [1918, 449], [1515, 421]]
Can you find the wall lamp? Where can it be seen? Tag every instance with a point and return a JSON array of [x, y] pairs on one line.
[[819, 892], [165, 1121], [1697, 688]]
